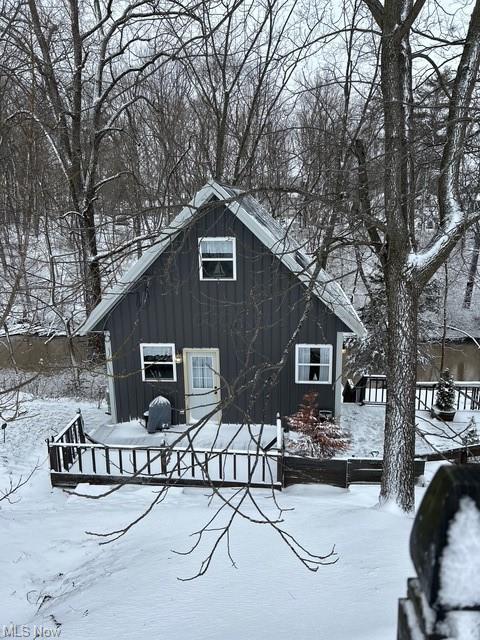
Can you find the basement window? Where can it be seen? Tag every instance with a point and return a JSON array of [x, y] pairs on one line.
[[313, 363], [158, 362], [217, 259]]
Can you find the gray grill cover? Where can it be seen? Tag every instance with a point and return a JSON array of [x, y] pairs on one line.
[[159, 414]]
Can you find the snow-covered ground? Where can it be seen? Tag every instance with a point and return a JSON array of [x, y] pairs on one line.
[[54, 573], [24, 445], [208, 436], [130, 589], [365, 425]]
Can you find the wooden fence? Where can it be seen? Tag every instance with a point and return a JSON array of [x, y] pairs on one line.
[[372, 390], [460, 455], [73, 460], [337, 472]]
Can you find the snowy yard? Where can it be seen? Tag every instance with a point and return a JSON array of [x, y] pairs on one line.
[[208, 436], [130, 587], [365, 425]]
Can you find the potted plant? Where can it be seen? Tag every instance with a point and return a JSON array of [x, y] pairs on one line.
[[444, 407]]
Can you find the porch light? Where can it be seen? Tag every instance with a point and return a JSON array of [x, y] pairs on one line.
[[178, 357]]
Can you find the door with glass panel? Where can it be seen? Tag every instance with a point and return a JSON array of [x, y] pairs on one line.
[[202, 384]]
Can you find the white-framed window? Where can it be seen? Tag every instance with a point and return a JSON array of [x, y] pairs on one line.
[[158, 362], [217, 258], [313, 363]]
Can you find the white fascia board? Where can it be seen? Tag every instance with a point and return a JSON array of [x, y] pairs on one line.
[[342, 307], [112, 296]]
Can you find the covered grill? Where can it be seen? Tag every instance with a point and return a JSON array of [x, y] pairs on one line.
[[159, 414]]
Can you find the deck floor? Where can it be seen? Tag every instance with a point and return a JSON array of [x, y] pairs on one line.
[[209, 436]]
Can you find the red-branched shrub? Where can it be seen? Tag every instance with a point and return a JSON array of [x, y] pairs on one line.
[[318, 436]]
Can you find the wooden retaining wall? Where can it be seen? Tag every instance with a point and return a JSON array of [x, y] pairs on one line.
[[339, 473]]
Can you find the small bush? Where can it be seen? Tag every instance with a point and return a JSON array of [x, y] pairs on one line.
[[445, 398], [318, 436]]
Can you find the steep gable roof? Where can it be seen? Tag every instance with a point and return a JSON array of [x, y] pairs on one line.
[[263, 226]]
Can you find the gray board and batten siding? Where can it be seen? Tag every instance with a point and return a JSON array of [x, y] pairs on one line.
[[250, 320]]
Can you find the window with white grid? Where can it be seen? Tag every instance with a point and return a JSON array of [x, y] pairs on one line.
[[313, 363], [158, 362], [217, 259]]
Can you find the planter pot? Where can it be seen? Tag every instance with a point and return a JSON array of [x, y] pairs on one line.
[[443, 414]]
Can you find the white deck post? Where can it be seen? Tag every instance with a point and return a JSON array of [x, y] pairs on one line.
[[279, 432]]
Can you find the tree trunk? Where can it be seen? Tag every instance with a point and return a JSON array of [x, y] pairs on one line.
[[445, 318], [402, 298], [92, 276], [399, 446], [472, 272]]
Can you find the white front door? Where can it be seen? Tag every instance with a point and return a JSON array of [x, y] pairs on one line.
[[202, 383]]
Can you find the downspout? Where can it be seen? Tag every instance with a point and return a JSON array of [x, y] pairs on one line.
[[110, 376], [338, 374]]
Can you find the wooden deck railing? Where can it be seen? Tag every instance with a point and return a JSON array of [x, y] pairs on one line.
[[73, 435], [74, 462], [101, 464], [460, 455], [372, 390]]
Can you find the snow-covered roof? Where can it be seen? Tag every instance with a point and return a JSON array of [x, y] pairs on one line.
[[263, 226]]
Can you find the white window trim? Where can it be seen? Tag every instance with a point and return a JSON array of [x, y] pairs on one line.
[[158, 344], [330, 363], [234, 258]]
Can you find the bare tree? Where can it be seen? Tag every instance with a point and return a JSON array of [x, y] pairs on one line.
[[89, 66], [244, 80], [407, 267]]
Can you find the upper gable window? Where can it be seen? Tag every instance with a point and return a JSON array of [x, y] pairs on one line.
[[313, 363], [217, 259]]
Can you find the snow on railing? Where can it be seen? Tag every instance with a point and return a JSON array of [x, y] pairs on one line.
[[72, 434], [73, 460]]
